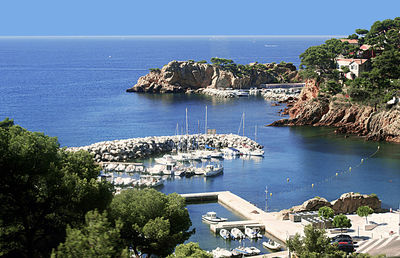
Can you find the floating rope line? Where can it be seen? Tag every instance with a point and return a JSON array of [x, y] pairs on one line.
[[327, 179]]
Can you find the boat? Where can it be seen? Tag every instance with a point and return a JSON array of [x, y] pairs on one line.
[[271, 244], [241, 250], [221, 252], [212, 170], [237, 234], [231, 151], [252, 250], [211, 217], [253, 233], [225, 234], [158, 169], [217, 154], [165, 160], [256, 152], [242, 93], [149, 181]]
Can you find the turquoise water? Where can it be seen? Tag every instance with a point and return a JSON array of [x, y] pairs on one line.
[[75, 89]]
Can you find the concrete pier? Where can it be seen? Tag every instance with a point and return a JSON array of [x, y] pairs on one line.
[[278, 229]]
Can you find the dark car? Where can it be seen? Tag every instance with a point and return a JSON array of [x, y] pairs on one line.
[[342, 238], [346, 247]]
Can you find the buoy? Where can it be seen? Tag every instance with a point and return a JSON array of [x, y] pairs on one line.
[[362, 160], [336, 174], [270, 194], [379, 147], [312, 185], [349, 169], [288, 180]]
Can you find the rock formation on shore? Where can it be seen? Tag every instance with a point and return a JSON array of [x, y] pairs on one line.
[[184, 76], [347, 203], [349, 118]]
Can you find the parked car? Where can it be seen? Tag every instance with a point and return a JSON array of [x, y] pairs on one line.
[[342, 238], [343, 242]]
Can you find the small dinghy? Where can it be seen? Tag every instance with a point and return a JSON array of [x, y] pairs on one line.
[[237, 234], [272, 245], [225, 234]]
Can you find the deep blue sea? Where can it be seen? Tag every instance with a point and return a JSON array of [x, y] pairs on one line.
[[74, 88]]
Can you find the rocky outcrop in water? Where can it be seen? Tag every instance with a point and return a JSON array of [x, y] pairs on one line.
[[349, 118], [136, 148], [347, 203], [183, 76]]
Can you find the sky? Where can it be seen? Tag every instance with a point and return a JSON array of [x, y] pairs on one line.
[[189, 17]]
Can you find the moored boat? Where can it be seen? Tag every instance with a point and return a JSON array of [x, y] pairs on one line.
[[211, 217], [253, 233], [271, 244], [221, 252], [212, 170], [225, 234], [237, 233]]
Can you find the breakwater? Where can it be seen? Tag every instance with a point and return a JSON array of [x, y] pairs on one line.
[[138, 148]]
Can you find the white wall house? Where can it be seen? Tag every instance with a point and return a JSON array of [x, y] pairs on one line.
[[356, 66]]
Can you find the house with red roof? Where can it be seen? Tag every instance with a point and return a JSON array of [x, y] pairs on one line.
[[350, 41], [356, 66]]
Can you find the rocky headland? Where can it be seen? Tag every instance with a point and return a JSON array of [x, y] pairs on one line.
[[347, 203], [193, 77], [312, 109], [138, 148]]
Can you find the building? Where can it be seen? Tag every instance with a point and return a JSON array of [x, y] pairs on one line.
[[350, 41], [356, 66]]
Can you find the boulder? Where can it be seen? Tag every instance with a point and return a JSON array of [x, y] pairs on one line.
[[349, 203]]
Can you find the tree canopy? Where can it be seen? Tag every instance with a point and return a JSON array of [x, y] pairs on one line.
[[153, 222], [341, 221], [326, 212], [44, 188], [190, 250], [97, 238], [364, 211]]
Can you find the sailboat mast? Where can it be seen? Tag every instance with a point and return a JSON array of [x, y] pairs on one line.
[[255, 134], [205, 129], [243, 123], [187, 131]]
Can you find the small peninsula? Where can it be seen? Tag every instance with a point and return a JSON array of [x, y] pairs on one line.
[[190, 76]]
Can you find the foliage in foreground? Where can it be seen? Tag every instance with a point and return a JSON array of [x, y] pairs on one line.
[[364, 211], [97, 238], [153, 222], [44, 189], [190, 250]]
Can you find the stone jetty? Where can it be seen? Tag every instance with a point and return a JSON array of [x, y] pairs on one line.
[[137, 148]]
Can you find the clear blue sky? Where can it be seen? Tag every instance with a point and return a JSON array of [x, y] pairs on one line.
[[189, 17]]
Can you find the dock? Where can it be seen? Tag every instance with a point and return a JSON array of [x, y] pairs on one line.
[[254, 216]]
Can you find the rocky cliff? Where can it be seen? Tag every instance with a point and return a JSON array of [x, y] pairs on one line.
[[179, 76], [349, 118], [347, 203]]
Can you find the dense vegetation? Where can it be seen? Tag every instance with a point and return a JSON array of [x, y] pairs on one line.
[[376, 86], [51, 200]]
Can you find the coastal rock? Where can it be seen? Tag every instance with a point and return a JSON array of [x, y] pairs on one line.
[[348, 118], [179, 76], [347, 203]]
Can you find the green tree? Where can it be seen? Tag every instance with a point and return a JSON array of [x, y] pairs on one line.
[[361, 31], [341, 221], [190, 250], [315, 243], [97, 238], [44, 188], [153, 222], [364, 211], [326, 212]]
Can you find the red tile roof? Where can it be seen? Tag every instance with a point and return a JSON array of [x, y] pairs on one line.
[[365, 47], [351, 60], [351, 41]]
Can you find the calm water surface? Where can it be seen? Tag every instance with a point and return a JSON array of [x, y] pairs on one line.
[[75, 89]]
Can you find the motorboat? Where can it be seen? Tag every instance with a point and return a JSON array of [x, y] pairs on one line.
[[225, 234], [231, 151], [217, 154], [237, 233], [252, 233], [211, 217], [165, 160], [242, 93], [257, 152], [271, 244], [158, 169], [150, 181], [221, 252], [242, 251], [252, 250], [212, 170]]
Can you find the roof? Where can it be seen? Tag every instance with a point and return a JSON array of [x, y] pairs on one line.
[[351, 41], [351, 60], [365, 47]]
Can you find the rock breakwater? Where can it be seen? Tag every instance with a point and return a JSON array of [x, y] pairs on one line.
[[138, 148]]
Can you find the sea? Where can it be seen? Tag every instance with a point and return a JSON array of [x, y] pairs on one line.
[[74, 89]]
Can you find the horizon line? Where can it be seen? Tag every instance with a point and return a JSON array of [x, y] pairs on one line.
[[170, 36]]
